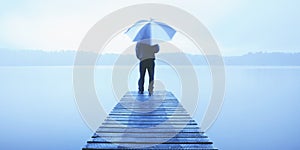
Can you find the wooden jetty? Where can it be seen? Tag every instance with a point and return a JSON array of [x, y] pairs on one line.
[[149, 122]]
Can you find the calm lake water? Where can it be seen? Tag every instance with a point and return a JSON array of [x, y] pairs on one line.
[[260, 110]]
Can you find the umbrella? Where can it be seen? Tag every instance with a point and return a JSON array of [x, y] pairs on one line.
[[150, 32]]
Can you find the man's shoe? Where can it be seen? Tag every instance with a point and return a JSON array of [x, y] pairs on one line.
[[150, 93], [141, 92]]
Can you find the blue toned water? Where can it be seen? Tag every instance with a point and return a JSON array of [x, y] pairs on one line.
[[260, 110]]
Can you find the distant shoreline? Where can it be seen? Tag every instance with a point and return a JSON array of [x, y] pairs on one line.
[[67, 58]]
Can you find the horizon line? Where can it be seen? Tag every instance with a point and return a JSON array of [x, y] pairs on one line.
[[115, 53]]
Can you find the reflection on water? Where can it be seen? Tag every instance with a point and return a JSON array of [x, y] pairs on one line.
[[38, 110]]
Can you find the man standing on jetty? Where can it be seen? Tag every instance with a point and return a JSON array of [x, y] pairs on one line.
[[146, 54]]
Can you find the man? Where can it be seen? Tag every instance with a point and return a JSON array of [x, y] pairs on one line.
[[146, 54]]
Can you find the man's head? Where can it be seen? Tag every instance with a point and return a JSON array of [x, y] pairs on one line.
[[147, 41]]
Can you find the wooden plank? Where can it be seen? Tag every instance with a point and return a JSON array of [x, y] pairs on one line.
[[157, 127], [153, 117], [170, 112], [147, 123], [147, 120], [149, 108], [151, 140], [147, 114], [162, 129], [147, 126], [150, 135], [153, 103], [93, 146], [147, 111]]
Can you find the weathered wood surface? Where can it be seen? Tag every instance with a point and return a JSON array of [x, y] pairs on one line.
[[143, 122]]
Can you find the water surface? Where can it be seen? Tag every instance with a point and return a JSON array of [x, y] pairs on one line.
[[260, 111]]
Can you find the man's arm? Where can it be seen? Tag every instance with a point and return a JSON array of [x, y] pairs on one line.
[[156, 48], [138, 50]]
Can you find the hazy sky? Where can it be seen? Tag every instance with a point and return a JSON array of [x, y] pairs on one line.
[[238, 26]]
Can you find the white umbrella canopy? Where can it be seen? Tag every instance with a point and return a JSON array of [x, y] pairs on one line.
[[150, 32]]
